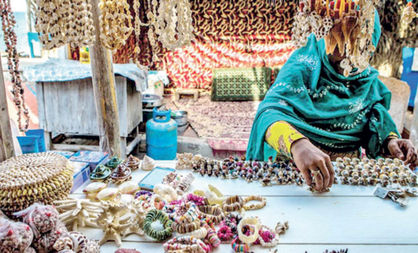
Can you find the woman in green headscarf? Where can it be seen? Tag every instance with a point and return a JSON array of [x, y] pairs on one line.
[[313, 111]]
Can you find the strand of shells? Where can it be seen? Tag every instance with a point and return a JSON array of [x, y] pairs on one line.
[[10, 40], [174, 24], [372, 172], [267, 173], [64, 21], [115, 23], [30, 178], [347, 171], [352, 29]]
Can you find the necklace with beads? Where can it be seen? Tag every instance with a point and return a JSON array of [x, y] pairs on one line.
[[10, 40]]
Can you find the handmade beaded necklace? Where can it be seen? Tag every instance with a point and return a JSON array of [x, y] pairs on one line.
[[10, 40]]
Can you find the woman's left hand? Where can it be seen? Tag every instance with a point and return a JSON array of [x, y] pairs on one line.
[[403, 149]]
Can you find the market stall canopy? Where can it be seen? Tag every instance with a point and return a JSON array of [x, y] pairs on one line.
[[54, 70]]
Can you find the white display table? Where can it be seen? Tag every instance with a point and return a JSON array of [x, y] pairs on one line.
[[346, 217]]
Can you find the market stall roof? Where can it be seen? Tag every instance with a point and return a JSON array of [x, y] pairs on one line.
[[66, 70]]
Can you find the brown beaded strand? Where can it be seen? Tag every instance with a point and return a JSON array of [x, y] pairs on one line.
[[10, 40]]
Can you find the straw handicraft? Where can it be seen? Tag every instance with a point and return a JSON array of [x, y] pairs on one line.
[[40, 177]]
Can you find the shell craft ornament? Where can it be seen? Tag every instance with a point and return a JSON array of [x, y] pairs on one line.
[[346, 26], [148, 163], [115, 23], [30, 178], [132, 162]]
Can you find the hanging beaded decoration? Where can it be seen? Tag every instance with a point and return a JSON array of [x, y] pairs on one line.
[[137, 29], [62, 22], [345, 24], [10, 40], [408, 14], [172, 15], [115, 23]]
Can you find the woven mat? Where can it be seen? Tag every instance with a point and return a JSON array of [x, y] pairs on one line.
[[225, 125]]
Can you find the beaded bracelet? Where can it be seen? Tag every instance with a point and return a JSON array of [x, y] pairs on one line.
[[211, 236], [253, 206], [142, 192], [186, 244], [233, 217], [225, 233], [198, 200], [232, 204], [199, 233], [186, 227], [252, 222], [185, 212], [267, 237], [212, 213], [238, 246], [158, 202], [153, 216]]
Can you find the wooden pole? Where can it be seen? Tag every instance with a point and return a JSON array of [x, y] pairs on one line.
[[6, 137], [104, 91]]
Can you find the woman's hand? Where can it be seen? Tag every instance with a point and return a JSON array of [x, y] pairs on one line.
[[404, 150], [308, 159]]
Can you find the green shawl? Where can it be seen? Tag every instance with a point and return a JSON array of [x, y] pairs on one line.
[[337, 113]]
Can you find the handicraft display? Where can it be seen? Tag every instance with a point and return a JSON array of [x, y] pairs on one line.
[[30, 178]]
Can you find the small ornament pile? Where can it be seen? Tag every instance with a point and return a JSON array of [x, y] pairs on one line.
[[372, 172], [116, 170], [384, 172], [30, 178], [199, 221], [41, 231], [268, 173]]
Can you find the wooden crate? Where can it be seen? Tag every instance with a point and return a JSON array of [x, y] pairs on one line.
[[69, 108]]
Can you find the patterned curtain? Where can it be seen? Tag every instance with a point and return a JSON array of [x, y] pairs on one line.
[[229, 33]]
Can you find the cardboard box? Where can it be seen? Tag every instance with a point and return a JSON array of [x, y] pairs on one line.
[[81, 174], [93, 158]]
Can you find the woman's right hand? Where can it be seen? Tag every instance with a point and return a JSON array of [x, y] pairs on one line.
[[308, 159]]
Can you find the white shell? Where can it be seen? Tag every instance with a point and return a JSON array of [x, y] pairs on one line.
[[94, 187], [107, 194], [148, 163], [129, 187]]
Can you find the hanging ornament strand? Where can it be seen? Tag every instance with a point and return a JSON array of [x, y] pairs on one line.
[[64, 22], [137, 30], [10, 40], [115, 23]]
